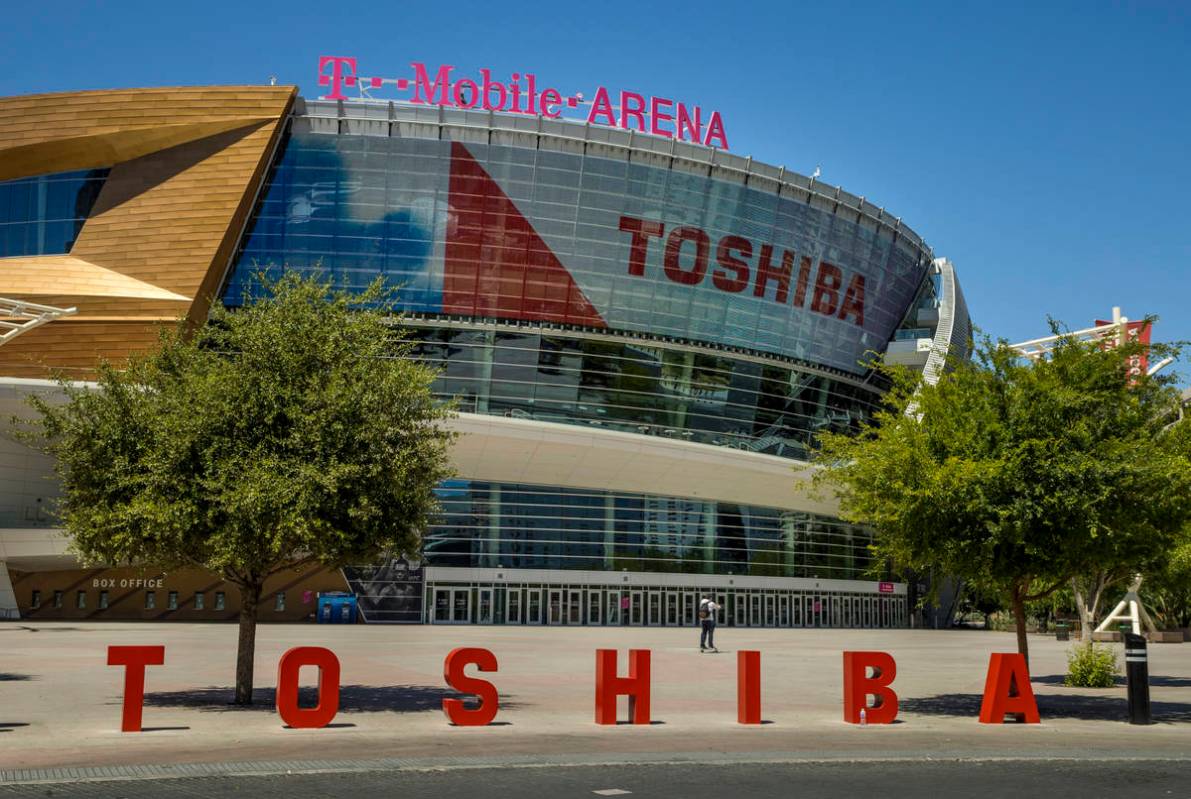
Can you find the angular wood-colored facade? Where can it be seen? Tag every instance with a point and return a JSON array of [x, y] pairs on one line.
[[186, 165]]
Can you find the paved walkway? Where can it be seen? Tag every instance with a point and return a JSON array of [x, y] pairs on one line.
[[60, 702]]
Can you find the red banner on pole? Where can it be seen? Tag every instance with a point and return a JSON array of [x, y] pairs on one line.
[[1137, 332]]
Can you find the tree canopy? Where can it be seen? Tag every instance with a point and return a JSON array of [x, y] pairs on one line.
[[294, 429], [1014, 475]]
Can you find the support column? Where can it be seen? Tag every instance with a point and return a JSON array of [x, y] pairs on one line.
[[8, 597]]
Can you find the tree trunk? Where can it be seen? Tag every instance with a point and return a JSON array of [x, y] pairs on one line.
[[1019, 619], [1085, 617], [250, 597]]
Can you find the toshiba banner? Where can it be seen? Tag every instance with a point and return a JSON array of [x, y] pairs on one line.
[[514, 233]]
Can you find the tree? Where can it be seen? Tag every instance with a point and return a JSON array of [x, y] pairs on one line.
[[294, 430], [1167, 588], [1017, 476]]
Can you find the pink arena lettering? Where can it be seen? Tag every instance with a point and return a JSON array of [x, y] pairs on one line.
[[523, 93]]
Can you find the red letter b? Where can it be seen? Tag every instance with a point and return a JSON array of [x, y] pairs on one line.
[[858, 686]]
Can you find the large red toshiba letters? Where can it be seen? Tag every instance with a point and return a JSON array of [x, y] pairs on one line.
[[1007, 690], [328, 687], [452, 673], [859, 686], [866, 674], [134, 659], [609, 686], [748, 687]]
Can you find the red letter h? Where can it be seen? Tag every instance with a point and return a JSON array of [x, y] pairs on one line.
[[609, 686]]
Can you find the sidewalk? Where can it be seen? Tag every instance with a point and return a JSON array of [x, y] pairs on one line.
[[60, 702]]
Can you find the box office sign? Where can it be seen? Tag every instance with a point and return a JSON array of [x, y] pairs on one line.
[[525, 93]]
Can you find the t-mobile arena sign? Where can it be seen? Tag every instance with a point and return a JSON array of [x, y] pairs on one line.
[[522, 94]]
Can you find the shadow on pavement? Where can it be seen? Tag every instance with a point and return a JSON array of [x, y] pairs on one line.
[[352, 698], [7, 726], [1156, 681], [6, 676], [1094, 708]]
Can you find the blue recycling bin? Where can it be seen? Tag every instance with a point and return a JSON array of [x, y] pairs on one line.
[[337, 607]]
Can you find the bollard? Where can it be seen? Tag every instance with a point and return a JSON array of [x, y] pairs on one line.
[[1137, 671]]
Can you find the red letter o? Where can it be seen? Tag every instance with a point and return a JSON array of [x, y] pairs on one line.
[[328, 687]]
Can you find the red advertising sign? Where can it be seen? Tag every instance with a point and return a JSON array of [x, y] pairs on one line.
[[1137, 332], [885, 588]]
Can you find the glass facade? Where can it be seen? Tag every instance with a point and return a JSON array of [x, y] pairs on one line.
[[625, 244], [43, 215], [540, 527], [635, 387]]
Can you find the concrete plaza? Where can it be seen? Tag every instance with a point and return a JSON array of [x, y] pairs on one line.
[[60, 702]]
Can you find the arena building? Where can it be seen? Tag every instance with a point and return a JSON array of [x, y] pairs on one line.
[[644, 335]]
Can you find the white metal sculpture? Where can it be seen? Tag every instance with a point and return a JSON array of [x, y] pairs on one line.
[[21, 316], [1129, 610]]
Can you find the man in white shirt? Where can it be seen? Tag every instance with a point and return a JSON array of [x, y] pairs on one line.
[[707, 611]]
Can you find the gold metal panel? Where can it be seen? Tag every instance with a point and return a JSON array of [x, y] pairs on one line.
[[185, 164]]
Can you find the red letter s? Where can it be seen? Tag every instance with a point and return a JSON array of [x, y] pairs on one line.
[[452, 671]]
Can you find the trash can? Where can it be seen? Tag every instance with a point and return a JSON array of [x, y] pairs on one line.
[[1062, 632], [337, 607]]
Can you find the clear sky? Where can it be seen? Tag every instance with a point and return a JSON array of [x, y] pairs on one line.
[[1042, 147]]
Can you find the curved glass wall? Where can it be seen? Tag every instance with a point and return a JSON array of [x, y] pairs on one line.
[[43, 215], [598, 239], [638, 388], [539, 527]]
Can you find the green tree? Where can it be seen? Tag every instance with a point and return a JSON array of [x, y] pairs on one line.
[[293, 430], [1017, 476], [1167, 588]]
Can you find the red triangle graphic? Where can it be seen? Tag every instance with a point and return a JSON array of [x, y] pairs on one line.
[[496, 264]]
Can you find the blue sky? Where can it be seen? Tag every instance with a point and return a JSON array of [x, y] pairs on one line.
[[1042, 147]]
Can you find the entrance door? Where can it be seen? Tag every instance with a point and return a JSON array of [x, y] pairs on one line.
[[593, 607], [671, 608], [742, 610], [770, 610], [636, 614], [555, 613], [755, 619], [615, 604], [575, 607], [533, 606], [485, 616], [783, 610], [461, 605], [834, 619], [442, 606], [513, 609], [689, 603], [655, 608], [796, 610]]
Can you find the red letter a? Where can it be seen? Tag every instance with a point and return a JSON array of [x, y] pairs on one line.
[[858, 686], [452, 671], [1007, 690]]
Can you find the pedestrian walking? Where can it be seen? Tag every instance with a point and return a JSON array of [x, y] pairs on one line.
[[707, 611]]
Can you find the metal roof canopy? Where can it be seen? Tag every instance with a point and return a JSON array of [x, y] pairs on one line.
[[21, 316]]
